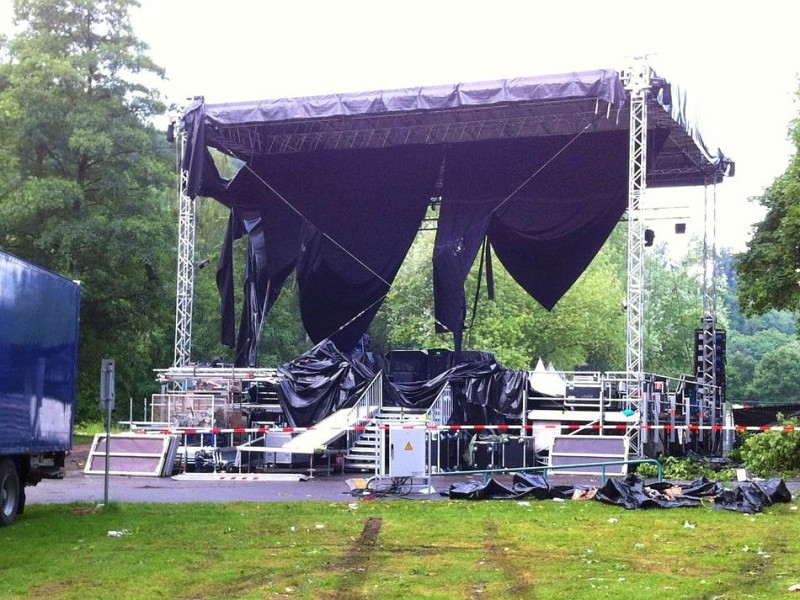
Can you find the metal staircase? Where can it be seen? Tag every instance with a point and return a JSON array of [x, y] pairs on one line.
[[364, 449], [364, 453]]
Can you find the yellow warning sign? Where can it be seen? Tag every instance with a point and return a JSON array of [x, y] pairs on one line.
[[409, 446]]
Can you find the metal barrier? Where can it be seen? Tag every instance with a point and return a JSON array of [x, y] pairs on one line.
[[185, 409]]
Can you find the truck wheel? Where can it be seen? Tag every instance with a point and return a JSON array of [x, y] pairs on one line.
[[9, 492], [22, 498]]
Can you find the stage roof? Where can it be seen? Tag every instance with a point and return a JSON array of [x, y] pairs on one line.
[[334, 187], [561, 104]]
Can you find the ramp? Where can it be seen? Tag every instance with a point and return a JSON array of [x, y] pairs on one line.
[[325, 432], [330, 428]]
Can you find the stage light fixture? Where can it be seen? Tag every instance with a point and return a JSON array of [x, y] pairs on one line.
[[649, 237]]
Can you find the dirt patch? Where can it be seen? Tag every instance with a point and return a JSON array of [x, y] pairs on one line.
[[76, 459], [354, 564]]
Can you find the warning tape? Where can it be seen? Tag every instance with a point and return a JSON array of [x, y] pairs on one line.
[[502, 428]]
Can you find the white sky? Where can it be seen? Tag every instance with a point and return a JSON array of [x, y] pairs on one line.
[[739, 64]]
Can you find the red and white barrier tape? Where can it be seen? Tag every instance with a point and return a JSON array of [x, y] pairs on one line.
[[501, 428]]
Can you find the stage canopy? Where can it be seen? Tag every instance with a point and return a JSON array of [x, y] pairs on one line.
[[334, 188]]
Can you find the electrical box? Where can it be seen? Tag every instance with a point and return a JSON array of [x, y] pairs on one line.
[[408, 453]]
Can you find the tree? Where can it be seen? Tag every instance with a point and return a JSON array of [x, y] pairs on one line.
[[673, 307], [739, 372], [586, 326], [87, 183], [769, 270], [777, 379], [759, 344]]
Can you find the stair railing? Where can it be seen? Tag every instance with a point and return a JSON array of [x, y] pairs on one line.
[[364, 409], [442, 408]]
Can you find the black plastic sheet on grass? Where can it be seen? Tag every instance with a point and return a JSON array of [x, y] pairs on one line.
[[632, 493]]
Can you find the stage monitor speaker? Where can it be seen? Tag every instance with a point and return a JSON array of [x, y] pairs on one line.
[[439, 361], [402, 377], [473, 356], [409, 361]]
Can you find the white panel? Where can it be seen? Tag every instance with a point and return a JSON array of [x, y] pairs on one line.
[[407, 453]]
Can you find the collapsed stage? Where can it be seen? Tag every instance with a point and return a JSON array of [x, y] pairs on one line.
[[537, 171]]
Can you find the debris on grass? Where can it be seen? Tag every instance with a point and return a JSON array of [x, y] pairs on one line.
[[118, 533]]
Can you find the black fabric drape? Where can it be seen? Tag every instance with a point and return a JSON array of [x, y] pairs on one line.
[[547, 205], [484, 392], [274, 232], [225, 283], [318, 383], [370, 202]]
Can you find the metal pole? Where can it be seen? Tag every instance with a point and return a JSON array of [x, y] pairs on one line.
[[108, 454]]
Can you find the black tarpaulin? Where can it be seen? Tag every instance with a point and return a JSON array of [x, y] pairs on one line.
[[631, 493], [324, 380], [753, 496], [483, 391], [539, 164], [360, 212], [318, 383], [274, 232], [700, 487], [523, 485]]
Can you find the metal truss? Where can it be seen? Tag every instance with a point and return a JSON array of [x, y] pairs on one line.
[[185, 291], [637, 80], [523, 120], [706, 371]]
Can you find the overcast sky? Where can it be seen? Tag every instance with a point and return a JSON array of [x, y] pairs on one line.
[[740, 65]]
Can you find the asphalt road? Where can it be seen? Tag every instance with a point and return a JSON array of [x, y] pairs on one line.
[[77, 487]]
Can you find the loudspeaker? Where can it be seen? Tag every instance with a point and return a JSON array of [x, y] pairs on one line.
[[439, 361], [409, 361], [402, 377]]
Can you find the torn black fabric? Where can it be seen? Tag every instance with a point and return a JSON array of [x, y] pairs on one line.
[[225, 283], [631, 493], [753, 496], [483, 391], [274, 232], [318, 383], [546, 204], [523, 485], [362, 210]]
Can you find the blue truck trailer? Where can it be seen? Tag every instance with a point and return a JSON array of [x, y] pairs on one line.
[[39, 316]]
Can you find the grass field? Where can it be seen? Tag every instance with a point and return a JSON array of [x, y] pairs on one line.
[[398, 549]]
